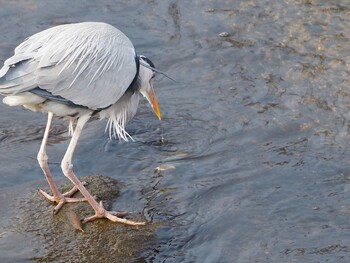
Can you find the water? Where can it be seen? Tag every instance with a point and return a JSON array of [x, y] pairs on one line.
[[258, 133]]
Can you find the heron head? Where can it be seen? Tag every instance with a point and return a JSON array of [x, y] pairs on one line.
[[146, 75]]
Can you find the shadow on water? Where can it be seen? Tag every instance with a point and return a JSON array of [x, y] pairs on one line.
[[257, 140]]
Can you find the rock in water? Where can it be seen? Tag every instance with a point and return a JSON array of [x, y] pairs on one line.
[[54, 239]]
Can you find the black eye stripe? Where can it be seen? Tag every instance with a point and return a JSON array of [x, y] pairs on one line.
[[148, 61]]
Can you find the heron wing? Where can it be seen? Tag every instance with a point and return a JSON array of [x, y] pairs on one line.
[[90, 64]]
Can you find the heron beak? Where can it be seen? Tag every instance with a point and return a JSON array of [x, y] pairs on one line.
[[151, 97]]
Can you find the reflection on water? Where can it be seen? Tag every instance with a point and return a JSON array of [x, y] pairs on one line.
[[258, 136]]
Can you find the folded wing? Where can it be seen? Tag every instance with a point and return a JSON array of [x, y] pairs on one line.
[[90, 64]]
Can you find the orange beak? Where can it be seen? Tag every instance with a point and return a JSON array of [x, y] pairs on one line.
[[151, 97]]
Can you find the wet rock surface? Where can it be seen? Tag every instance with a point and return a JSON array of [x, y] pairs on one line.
[[58, 241]]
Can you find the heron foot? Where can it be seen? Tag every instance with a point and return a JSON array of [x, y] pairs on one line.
[[63, 198], [116, 217]]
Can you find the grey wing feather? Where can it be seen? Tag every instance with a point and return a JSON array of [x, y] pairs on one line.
[[91, 64], [15, 79]]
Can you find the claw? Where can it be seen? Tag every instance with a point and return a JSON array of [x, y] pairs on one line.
[[58, 207]]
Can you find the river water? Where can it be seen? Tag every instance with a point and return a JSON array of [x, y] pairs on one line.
[[258, 130]]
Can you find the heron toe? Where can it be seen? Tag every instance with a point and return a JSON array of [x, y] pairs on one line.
[[61, 199], [116, 217]]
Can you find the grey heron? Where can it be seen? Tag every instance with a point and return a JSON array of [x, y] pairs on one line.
[[78, 71]]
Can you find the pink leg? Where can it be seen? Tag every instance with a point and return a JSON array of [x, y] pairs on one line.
[[57, 197], [67, 169]]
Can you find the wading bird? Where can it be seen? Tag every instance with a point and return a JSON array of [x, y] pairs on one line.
[[78, 71]]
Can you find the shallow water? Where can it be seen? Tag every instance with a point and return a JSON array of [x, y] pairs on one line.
[[258, 133]]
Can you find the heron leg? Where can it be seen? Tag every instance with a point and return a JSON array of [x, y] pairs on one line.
[[42, 157], [67, 168]]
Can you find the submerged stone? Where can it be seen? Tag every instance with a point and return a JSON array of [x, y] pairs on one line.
[[55, 239]]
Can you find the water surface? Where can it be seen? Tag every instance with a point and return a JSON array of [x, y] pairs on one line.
[[258, 133]]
